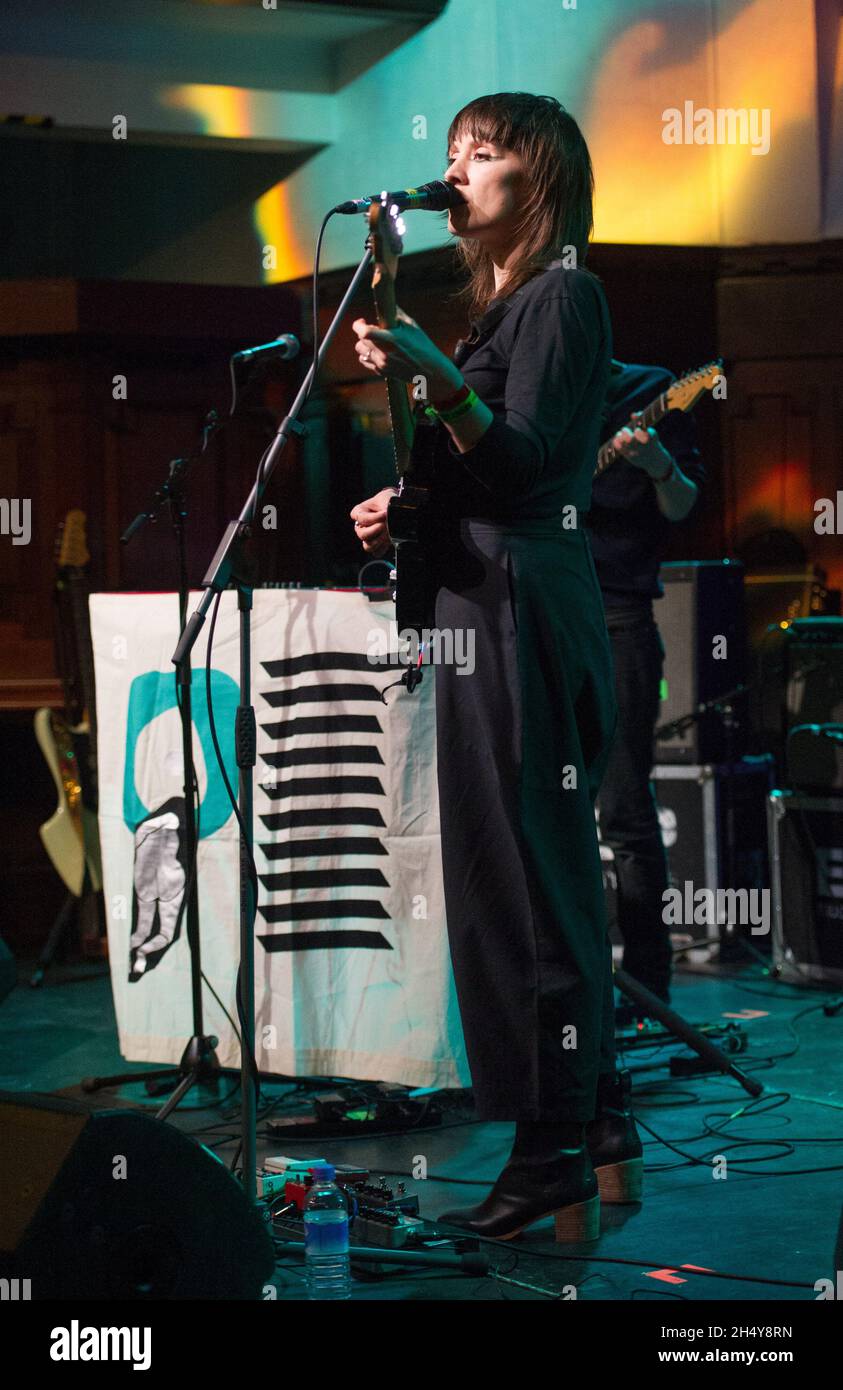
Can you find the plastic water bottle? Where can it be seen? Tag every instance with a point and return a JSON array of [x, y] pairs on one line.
[[326, 1237]]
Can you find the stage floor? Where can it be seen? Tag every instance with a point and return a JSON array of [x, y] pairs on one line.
[[765, 1232]]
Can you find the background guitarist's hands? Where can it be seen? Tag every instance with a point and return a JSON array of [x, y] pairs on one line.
[[675, 494], [405, 352], [642, 447], [369, 519]]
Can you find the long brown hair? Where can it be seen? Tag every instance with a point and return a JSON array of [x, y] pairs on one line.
[[557, 213]]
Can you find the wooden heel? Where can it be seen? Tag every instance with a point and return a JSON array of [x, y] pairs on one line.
[[580, 1222], [621, 1182]]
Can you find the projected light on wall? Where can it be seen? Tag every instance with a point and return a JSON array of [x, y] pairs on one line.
[[782, 495], [229, 112], [234, 113], [652, 192], [745, 56], [275, 227]]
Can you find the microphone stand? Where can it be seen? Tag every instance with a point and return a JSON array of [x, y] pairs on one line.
[[199, 1065], [227, 564], [674, 1023]]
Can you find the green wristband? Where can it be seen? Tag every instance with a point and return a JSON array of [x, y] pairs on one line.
[[447, 416]]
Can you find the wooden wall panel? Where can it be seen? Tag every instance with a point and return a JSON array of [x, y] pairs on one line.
[[781, 326]]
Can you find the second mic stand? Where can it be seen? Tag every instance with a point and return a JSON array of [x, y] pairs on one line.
[[199, 1064]]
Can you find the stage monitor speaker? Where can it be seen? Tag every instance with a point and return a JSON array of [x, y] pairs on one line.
[[113, 1204], [703, 601], [806, 866]]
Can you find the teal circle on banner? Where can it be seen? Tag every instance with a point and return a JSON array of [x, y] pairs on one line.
[[154, 693]]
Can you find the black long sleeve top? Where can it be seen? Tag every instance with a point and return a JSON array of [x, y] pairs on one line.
[[540, 361]]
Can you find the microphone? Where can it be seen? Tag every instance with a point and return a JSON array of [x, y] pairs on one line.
[[286, 347], [436, 196]]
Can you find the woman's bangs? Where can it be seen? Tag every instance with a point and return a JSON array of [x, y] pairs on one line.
[[481, 125]]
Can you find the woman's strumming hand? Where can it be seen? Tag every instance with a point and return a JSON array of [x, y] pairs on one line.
[[369, 519], [406, 352]]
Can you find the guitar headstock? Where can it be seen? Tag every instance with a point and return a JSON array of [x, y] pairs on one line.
[[385, 228], [71, 542], [684, 393]]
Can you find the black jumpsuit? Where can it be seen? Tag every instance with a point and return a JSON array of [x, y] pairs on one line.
[[523, 739]]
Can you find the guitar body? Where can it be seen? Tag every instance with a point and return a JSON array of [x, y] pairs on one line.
[[62, 835], [408, 520], [71, 835]]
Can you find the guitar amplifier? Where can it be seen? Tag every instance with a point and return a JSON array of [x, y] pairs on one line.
[[703, 602], [778, 596], [806, 861]]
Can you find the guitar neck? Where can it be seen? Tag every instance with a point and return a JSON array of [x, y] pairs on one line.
[[74, 651], [650, 415], [400, 414], [84, 648]]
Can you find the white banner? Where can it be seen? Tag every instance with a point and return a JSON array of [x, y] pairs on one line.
[[352, 972]]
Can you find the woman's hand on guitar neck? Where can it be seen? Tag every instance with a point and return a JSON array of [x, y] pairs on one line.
[[369, 519], [406, 352]]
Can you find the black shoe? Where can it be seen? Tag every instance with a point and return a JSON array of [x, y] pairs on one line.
[[613, 1142], [563, 1186]]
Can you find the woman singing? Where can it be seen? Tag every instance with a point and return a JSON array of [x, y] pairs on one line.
[[523, 740]]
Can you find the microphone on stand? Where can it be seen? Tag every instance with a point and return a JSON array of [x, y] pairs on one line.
[[436, 196], [285, 347]]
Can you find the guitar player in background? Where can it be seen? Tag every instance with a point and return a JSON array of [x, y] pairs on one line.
[[653, 484]]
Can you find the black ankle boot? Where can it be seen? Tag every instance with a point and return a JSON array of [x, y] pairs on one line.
[[562, 1185], [613, 1142], [545, 1138]]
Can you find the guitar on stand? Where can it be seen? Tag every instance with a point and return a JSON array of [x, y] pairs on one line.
[[408, 510], [68, 742]]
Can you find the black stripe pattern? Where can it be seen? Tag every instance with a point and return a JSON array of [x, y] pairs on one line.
[[311, 757]]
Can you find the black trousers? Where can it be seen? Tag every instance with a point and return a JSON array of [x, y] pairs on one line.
[[522, 741], [628, 817]]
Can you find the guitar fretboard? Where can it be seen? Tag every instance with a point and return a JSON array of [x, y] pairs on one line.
[[650, 416]]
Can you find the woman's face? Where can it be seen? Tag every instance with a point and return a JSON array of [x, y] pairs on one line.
[[490, 180]]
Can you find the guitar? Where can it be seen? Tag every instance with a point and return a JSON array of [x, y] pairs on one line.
[[682, 395], [408, 510], [68, 742]]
